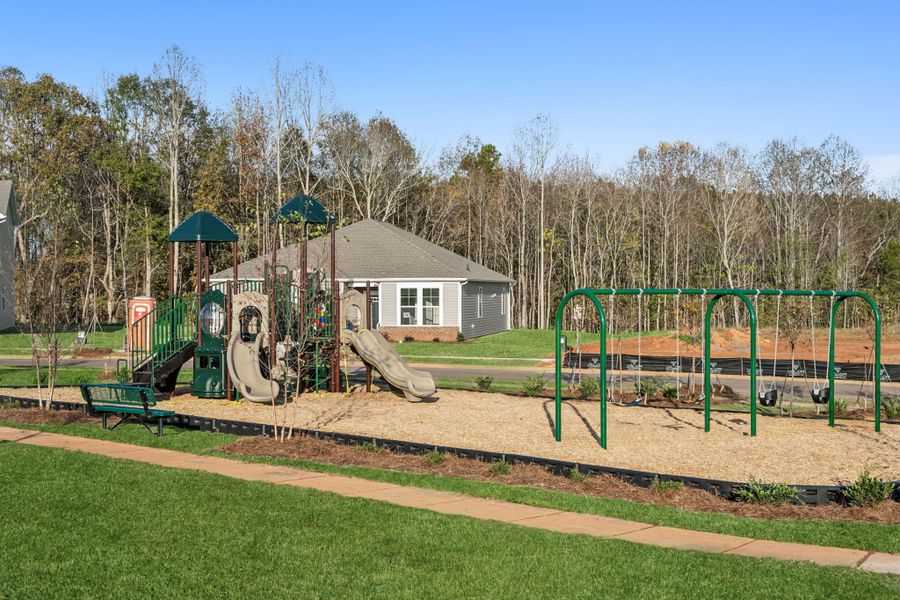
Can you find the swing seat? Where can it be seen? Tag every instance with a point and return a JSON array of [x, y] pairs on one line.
[[820, 396], [768, 398], [636, 402]]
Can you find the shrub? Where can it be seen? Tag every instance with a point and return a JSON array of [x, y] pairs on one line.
[[371, 447], [500, 467], [433, 458], [840, 406], [460, 337], [665, 486], [646, 387], [669, 391], [759, 492], [435, 339], [868, 490], [588, 387], [484, 382], [534, 385], [891, 408], [408, 338]]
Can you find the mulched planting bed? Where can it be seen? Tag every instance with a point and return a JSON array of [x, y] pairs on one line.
[[324, 451], [36, 416]]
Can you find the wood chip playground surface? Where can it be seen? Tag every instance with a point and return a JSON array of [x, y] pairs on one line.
[[671, 441]]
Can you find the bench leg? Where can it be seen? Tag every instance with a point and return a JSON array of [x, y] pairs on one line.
[[103, 417], [159, 427], [122, 420]]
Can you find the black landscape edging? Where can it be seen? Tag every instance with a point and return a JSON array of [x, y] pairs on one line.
[[806, 494]]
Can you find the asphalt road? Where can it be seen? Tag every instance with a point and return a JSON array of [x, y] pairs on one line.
[[740, 385]]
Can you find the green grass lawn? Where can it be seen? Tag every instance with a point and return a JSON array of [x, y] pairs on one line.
[[26, 376], [14, 343], [864, 536], [81, 526], [514, 346]]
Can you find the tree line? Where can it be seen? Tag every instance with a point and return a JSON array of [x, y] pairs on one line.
[[102, 178]]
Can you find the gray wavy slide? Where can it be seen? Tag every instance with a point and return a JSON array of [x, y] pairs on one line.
[[243, 365], [377, 352]]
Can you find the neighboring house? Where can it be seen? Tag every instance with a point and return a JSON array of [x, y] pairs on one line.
[[419, 289], [8, 222]]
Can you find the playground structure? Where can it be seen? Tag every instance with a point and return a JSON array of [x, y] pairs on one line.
[[260, 339], [766, 397]]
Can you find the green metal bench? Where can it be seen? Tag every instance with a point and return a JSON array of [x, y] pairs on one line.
[[127, 401]]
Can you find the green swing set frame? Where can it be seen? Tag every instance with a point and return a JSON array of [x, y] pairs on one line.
[[716, 294]]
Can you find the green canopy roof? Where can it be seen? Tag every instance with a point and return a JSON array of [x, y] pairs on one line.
[[303, 208], [203, 226]]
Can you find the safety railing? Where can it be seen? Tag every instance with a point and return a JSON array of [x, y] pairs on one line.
[[161, 334]]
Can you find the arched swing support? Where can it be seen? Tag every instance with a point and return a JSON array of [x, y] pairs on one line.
[[840, 297], [594, 295], [707, 335]]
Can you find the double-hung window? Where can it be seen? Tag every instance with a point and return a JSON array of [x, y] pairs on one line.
[[420, 304]]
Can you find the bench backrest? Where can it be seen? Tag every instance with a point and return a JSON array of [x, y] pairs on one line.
[[118, 394]]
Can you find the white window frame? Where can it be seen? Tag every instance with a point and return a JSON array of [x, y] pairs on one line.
[[479, 303], [503, 302], [420, 305]]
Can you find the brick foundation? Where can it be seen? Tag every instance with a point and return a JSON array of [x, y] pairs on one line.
[[420, 334]]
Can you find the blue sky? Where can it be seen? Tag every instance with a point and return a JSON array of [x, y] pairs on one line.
[[614, 76]]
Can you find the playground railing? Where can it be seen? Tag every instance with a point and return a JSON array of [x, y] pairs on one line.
[[162, 333]]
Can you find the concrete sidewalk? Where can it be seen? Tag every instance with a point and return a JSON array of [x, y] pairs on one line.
[[477, 508]]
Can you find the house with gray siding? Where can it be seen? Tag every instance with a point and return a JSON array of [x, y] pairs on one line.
[[420, 290], [8, 222]]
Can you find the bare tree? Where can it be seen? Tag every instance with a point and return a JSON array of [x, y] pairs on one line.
[[176, 83]]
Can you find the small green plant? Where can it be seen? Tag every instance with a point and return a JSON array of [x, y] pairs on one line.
[[868, 490], [500, 467], [576, 475], [371, 447], [434, 458], [891, 408], [588, 387], [460, 337], [484, 382], [760, 492], [534, 385], [840, 406], [646, 387], [689, 339], [669, 391], [665, 486]]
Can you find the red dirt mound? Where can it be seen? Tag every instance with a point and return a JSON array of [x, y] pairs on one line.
[[853, 345]]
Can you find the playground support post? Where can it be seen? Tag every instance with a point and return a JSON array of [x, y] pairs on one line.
[[876, 371], [198, 259], [558, 372], [707, 335], [171, 269], [335, 316], [368, 326]]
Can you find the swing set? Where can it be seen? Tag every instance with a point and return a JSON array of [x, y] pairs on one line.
[[750, 298]]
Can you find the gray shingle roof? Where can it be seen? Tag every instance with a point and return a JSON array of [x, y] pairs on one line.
[[374, 250]]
